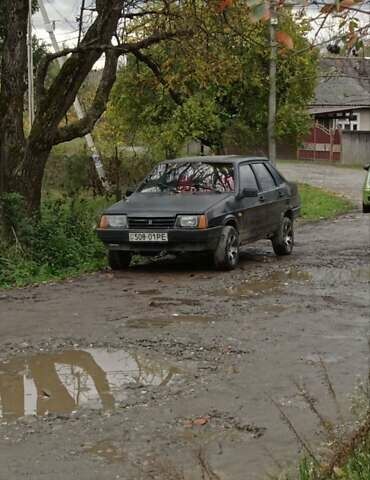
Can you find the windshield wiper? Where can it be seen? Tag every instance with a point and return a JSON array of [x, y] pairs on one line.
[[200, 187], [167, 186]]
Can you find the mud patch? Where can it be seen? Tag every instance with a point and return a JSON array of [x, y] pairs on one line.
[[175, 302], [148, 292], [325, 358], [274, 283], [106, 450], [63, 382], [160, 322]]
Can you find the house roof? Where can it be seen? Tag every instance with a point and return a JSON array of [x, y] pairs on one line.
[[344, 84]]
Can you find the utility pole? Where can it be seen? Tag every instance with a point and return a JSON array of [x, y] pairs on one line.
[[81, 21], [49, 27], [271, 129], [31, 94]]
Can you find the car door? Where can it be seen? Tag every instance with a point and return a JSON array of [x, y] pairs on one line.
[[268, 198], [248, 206], [284, 191]]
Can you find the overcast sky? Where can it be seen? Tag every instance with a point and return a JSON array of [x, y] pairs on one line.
[[63, 13]]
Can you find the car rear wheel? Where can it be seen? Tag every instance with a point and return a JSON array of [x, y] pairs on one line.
[[119, 260], [226, 255], [365, 208], [283, 240]]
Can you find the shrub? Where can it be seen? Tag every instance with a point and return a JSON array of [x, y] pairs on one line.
[[61, 242]]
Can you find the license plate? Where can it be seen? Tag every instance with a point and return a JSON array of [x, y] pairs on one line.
[[148, 237]]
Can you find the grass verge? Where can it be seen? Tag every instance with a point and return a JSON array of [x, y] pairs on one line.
[[61, 243], [318, 204]]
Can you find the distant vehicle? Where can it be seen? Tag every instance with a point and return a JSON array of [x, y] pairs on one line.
[[366, 191], [203, 204]]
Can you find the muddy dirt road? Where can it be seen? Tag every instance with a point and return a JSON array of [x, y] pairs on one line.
[[342, 180], [173, 368]]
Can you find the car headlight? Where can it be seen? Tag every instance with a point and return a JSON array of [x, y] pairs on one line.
[[192, 221], [113, 221]]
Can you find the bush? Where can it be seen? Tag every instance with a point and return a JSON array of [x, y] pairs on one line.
[[61, 242]]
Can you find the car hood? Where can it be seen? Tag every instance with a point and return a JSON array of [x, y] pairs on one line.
[[160, 204]]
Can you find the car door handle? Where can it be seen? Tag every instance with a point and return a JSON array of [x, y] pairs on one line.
[[261, 198], [281, 193]]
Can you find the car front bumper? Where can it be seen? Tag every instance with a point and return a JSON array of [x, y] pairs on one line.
[[179, 240]]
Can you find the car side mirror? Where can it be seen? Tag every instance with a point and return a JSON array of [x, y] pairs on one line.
[[367, 167], [248, 193]]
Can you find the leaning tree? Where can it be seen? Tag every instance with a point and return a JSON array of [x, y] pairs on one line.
[[23, 157]]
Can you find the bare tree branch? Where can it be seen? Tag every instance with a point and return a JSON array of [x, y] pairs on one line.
[[158, 74], [85, 125]]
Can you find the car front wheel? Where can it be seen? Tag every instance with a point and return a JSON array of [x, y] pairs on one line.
[[226, 255], [119, 260], [283, 240]]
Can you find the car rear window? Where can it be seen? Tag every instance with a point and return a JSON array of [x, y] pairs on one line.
[[264, 177]]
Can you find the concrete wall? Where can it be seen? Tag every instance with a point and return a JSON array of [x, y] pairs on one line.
[[355, 147]]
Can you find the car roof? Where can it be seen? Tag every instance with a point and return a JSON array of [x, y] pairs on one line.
[[236, 159]]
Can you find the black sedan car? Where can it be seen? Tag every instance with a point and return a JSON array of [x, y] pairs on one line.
[[203, 204]]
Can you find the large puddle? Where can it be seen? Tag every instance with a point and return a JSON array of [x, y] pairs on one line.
[[273, 283], [67, 381]]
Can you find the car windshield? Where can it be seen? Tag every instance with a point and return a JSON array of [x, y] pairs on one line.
[[190, 177]]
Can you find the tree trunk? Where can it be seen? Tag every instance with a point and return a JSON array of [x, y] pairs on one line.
[[13, 88], [34, 161]]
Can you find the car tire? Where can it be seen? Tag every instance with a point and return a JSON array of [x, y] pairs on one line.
[[226, 255], [365, 208], [283, 240], [119, 260]]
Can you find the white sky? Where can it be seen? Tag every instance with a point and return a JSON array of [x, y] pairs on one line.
[[63, 13]]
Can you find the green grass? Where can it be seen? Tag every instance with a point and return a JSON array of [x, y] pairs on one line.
[[62, 243], [355, 467], [318, 204]]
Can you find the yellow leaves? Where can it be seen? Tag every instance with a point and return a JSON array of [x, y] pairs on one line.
[[285, 40], [338, 6], [352, 39], [346, 3]]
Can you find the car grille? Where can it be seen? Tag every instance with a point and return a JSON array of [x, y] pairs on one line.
[[158, 222]]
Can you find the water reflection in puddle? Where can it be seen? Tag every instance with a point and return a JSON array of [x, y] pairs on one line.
[[66, 381], [165, 321], [325, 358], [273, 283]]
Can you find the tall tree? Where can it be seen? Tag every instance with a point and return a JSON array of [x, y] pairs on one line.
[[214, 88], [23, 160]]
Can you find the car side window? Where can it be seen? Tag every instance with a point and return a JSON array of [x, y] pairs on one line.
[[247, 177], [279, 179], [264, 177]]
